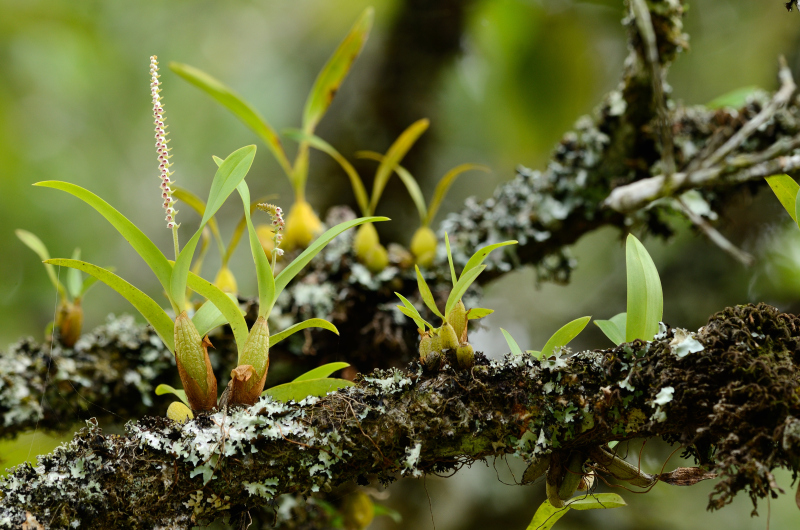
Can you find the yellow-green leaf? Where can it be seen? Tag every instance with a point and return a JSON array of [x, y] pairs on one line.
[[227, 305], [196, 203], [478, 312], [149, 309], [564, 335], [266, 281], [299, 390], [461, 287], [512, 344], [167, 389], [786, 190], [322, 371], [645, 298], [408, 181], [426, 294], [393, 157], [444, 186], [238, 106], [310, 323], [481, 254], [335, 70], [36, 245]]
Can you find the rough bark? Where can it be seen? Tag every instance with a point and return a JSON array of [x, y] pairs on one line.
[[729, 394]]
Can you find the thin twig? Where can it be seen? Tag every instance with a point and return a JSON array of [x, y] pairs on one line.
[[713, 234]]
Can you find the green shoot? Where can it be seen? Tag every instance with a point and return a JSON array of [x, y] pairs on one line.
[[786, 190], [548, 515], [512, 344], [562, 337]]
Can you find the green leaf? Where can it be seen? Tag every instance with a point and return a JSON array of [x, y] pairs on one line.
[[736, 98], [292, 269], [546, 516], [614, 328], [380, 509], [239, 107], [166, 389], [323, 371], [427, 296], [515, 349], [596, 501], [444, 186], [355, 180], [393, 156], [478, 312], [797, 210], [335, 70], [453, 277], [645, 299], [461, 287], [310, 323], [481, 254], [410, 311], [786, 189], [196, 203], [227, 178], [149, 309], [266, 281], [226, 304], [299, 390], [35, 244], [408, 181], [149, 252], [74, 277], [564, 335], [208, 317]]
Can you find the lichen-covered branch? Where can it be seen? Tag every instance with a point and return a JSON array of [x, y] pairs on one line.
[[728, 393]]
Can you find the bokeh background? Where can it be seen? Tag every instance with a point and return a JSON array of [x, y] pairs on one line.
[[501, 80]]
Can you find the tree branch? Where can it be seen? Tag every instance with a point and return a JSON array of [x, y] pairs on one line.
[[729, 394]]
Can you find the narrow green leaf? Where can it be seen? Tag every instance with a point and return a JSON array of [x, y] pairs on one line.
[[427, 296], [239, 107], [481, 254], [797, 210], [35, 244], [786, 190], [453, 277], [225, 303], [535, 353], [564, 335], [149, 252], [299, 390], [614, 329], [736, 98], [310, 323], [380, 509], [596, 501], [74, 277], [149, 309], [355, 180], [393, 156], [444, 186], [227, 178], [515, 349], [209, 317], [411, 312], [292, 269], [546, 516], [478, 312], [408, 181], [198, 205], [645, 298], [323, 371], [335, 70], [166, 389], [266, 281], [461, 287]]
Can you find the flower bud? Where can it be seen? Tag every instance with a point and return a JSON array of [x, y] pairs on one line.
[[302, 226], [458, 319], [423, 246], [247, 379], [69, 321], [179, 412], [194, 366], [448, 337], [365, 240], [358, 511], [377, 259], [225, 281], [465, 354]]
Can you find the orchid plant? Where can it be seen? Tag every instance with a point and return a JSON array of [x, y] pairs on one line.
[[186, 336]]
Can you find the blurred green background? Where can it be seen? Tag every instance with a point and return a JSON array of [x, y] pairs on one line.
[[75, 106]]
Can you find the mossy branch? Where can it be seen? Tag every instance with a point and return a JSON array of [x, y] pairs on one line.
[[734, 405]]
